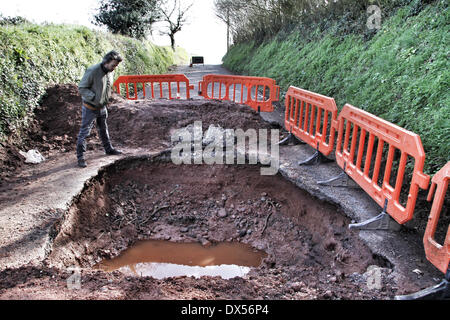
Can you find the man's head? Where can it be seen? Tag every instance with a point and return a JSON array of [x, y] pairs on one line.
[[111, 60]]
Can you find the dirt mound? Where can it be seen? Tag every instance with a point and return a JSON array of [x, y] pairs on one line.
[[148, 123], [53, 128], [143, 123], [10, 160], [59, 114]]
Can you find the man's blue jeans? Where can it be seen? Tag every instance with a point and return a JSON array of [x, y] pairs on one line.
[[87, 121]]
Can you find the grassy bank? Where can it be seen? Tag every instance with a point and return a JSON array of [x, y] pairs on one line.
[[401, 74], [33, 57]]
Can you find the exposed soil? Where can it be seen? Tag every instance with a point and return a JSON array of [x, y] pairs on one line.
[[142, 124], [311, 252]]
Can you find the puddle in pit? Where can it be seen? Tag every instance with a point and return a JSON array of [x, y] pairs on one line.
[[161, 259]]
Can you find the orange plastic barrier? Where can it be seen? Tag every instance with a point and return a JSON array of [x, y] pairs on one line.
[[311, 117], [397, 139], [241, 89], [161, 79], [437, 254]]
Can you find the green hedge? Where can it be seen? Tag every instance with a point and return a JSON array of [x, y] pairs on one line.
[[402, 74], [32, 57]]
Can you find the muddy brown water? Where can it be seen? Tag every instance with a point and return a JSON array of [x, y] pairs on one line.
[[161, 259]]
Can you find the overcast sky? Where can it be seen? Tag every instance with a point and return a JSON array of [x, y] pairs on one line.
[[204, 35]]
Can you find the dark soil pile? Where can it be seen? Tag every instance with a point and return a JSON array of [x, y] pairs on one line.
[[143, 124]]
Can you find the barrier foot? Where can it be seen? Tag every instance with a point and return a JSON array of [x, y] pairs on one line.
[[290, 138], [349, 183], [316, 158], [440, 291], [339, 176], [383, 221]]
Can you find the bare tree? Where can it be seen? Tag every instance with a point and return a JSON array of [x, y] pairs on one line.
[[175, 16], [232, 13], [256, 19]]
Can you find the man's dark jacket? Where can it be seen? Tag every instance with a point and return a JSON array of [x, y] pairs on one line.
[[95, 86]]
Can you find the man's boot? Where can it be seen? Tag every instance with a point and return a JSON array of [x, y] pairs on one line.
[[82, 163], [113, 152], [81, 149]]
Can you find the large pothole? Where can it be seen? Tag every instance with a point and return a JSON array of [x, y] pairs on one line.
[[311, 253]]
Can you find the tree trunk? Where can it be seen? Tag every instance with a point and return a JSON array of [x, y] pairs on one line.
[[172, 41], [228, 30]]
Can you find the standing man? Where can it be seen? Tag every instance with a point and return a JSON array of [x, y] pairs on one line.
[[95, 91]]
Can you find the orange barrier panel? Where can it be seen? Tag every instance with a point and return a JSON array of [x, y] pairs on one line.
[[398, 140], [437, 254], [241, 89], [311, 117], [152, 80]]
